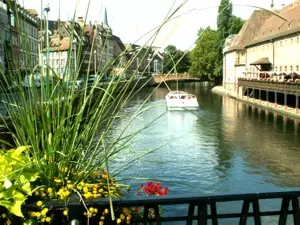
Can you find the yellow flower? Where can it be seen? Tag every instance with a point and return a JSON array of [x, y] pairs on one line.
[[85, 189], [44, 211], [56, 180], [8, 222], [122, 217], [39, 203], [66, 193], [49, 190], [106, 211], [48, 219], [3, 215], [119, 221], [101, 223], [38, 214], [25, 223], [66, 211]]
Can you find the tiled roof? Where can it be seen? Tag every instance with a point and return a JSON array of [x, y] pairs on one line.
[[59, 45], [32, 12], [249, 30], [275, 27], [262, 61]]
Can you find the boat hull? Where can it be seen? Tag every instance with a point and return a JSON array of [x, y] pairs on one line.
[[178, 100]]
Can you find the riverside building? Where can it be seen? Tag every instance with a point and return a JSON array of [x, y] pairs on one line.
[[268, 45], [262, 60]]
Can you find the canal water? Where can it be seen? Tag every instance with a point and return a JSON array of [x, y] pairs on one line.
[[227, 147]]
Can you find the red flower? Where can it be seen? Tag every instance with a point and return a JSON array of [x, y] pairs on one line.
[[154, 188]]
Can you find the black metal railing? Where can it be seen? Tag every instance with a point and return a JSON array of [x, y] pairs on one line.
[[197, 208]]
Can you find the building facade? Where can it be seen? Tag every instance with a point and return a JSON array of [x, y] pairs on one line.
[[21, 45], [145, 60], [3, 27]]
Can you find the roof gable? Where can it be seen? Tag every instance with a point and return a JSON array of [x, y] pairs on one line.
[[249, 30], [275, 26]]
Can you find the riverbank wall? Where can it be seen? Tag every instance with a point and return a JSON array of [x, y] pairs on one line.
[[280, 109]]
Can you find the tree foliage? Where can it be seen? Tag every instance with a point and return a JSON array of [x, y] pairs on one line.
[[224, 19], [236, 25], [204, 55], [175, 60]]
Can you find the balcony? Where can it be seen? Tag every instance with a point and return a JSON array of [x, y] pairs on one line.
[[269, 81]]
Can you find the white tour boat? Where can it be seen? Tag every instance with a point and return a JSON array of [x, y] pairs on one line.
[[180, 100]]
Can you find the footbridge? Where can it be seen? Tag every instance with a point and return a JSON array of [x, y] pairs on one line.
[[159, 78]]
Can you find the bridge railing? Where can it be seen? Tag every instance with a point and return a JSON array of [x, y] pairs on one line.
[[197, 208]]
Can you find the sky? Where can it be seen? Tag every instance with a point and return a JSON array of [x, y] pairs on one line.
[[137, 21]]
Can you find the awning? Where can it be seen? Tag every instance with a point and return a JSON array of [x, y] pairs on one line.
[[262, 61]]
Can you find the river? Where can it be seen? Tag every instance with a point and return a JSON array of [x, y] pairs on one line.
[[226, 147]]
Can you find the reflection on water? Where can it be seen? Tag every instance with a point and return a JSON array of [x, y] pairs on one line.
[[225, 147]]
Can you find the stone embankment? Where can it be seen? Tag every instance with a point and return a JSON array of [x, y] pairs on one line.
[[285, 111]]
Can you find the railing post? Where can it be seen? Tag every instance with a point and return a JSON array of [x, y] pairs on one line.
[[202, 214], [156, 213], [284, 211], [214, 214], [190, 214], [256, 211], [244, 213], [296, 211]]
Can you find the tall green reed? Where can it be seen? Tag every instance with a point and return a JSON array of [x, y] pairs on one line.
[[67, 128]]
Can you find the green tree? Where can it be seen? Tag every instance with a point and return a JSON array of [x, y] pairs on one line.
[[224, 19], [175, 60], [236, 25], [203, 56]]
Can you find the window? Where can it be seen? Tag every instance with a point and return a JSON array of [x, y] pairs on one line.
[[276, 68], [285, 68], [12, 20], [291, 68], [297, 67], [280, 68]]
